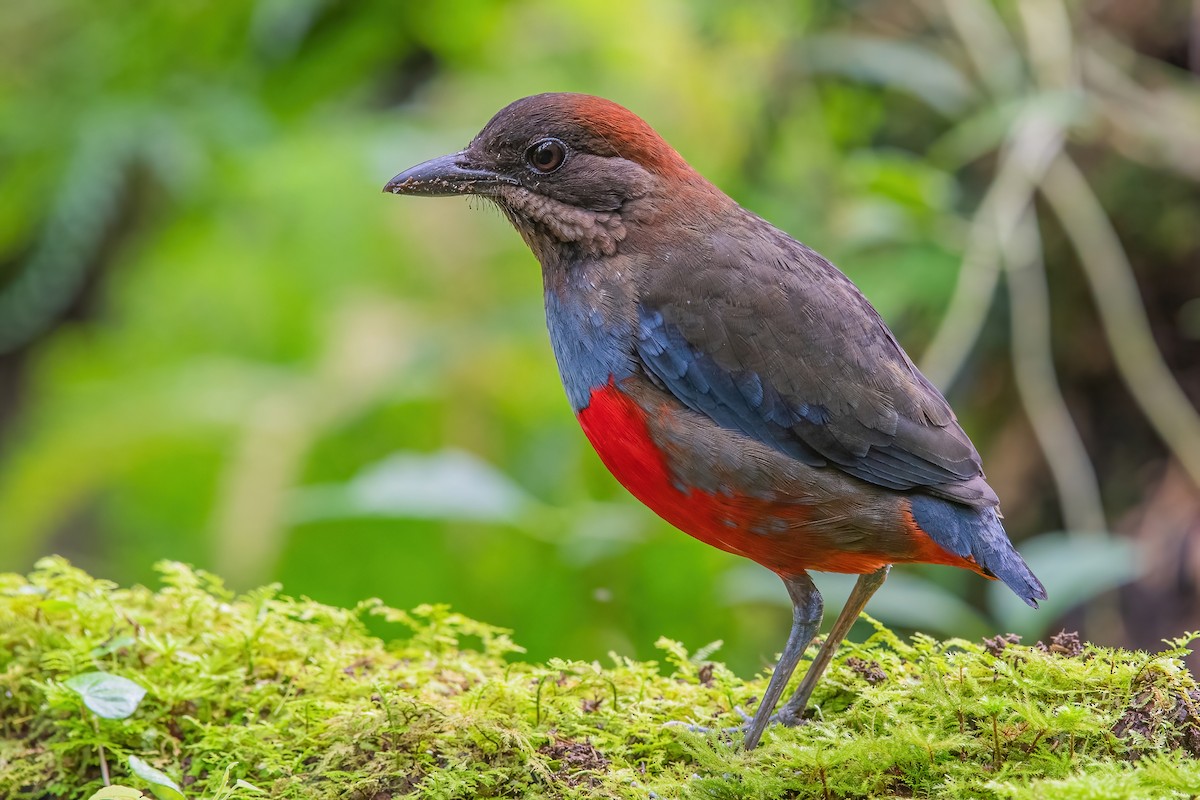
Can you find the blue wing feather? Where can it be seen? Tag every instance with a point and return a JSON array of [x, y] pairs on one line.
[[806, 430]]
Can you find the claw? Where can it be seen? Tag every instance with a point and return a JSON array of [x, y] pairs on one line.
[[780, 717], [736, 730]]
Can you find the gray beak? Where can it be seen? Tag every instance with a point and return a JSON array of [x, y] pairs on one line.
[[445, 176]]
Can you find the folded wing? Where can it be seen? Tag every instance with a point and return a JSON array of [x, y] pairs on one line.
[[796, 357]]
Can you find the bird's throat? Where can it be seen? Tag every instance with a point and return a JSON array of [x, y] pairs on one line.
[[550, 226]]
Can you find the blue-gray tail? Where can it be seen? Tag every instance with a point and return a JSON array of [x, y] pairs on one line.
[[978, 533]]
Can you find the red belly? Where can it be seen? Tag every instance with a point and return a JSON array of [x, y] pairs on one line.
[[771, 533]]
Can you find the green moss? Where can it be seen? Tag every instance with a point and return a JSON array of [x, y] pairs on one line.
[[296, 699]]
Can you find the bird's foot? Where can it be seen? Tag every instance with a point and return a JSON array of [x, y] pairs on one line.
[[789, 719], [735, 730], [781, 717]]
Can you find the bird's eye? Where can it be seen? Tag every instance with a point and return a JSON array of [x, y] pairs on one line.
[[546, 155]]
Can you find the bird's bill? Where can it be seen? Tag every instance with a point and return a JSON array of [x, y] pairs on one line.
[[445, 176]]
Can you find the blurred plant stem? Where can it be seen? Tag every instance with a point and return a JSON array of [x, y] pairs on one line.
[[1037, 380], [1033, 145], [1118, 300], [367, 345]]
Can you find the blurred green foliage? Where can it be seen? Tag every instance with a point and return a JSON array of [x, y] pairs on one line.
[[235, 352]]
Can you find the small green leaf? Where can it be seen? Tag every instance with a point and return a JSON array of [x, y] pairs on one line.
[[250, 787], [108, 696], [163, 787], [117, 792]]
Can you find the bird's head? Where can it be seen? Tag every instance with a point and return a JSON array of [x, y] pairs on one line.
[[569, 170]]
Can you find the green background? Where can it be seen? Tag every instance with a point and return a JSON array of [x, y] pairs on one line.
[[223, 345]]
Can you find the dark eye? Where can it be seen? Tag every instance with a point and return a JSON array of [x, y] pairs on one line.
[[546, 155]]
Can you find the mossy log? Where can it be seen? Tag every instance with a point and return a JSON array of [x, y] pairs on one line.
[[266, 696]]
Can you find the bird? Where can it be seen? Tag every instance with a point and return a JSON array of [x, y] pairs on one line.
[[728, 376]]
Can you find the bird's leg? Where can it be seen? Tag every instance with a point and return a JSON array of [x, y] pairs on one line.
[[864, 587], [807, 608]]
